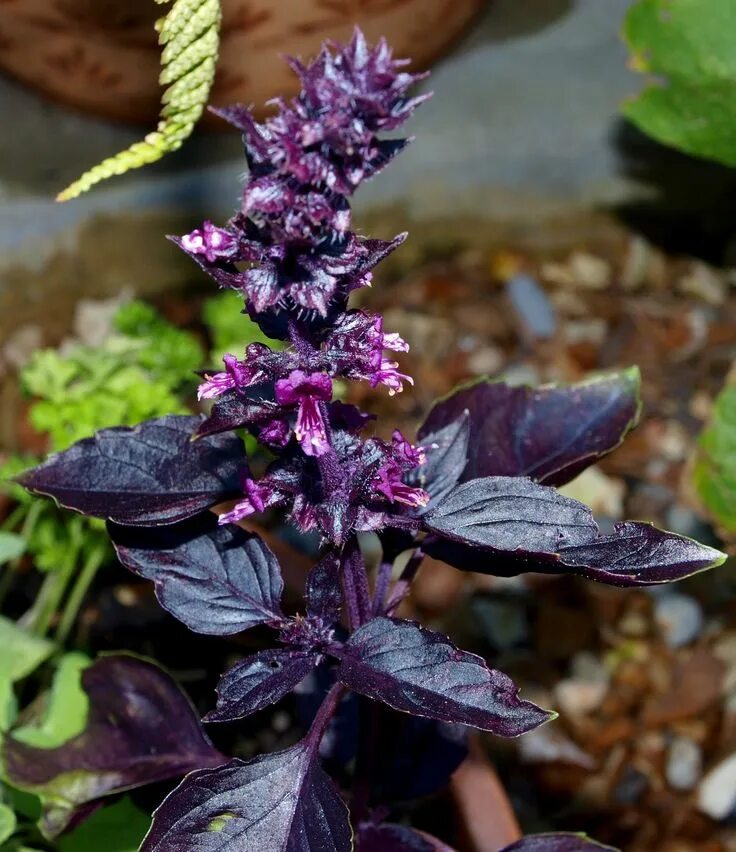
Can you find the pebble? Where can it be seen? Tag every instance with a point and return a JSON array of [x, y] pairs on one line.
[[604, 494], [532, 305], [717, 791], [547, 744], [679, 618], [684, 764], [585, 689]]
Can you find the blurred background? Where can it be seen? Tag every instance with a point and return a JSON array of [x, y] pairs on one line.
[[549, 238]]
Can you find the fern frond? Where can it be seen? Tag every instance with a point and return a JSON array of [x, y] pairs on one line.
[[189, 36]]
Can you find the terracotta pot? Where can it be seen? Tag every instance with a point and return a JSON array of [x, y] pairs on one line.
[[102, 55]]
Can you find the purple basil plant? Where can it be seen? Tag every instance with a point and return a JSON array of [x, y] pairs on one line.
[[476, 489]]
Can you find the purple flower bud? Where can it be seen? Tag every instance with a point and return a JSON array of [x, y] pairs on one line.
[[306, 392], [235, 375], [275, 434], [258, 497], [407, 453], [211, 242]]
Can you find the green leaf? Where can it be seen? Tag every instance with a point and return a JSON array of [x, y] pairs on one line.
[[11, 546], [688, 49], [21, 652], [230, 329], [7, 823], [8, 704], [714, 468], [66, 709], [117, 828], [189, 35]]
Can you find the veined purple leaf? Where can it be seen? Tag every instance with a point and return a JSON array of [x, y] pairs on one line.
[[638, 554], [324, 591], [506, 526], [421, 672], [447, 455], [280, 802], [236, 409], [564, 842], [548, 433], [218, 580], [141, 728], [258, 681], [150, 474], [397, 838], [509, 513]]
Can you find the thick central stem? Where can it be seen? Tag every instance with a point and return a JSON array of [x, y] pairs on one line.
[[355, 585]]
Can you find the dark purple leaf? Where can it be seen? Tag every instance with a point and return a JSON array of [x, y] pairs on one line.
[[141, 728], [557, 843], [150, 474], [548, 433], [505, 526], [258, 681], [508, 513], [447, 455], [280, 802], [324, 590], [421, 672], [218, 580], [236, 409], [637, 554], [397, 838], [417, 756]]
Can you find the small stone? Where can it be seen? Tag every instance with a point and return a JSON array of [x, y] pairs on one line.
[[679, 617], [485, 361], [684, 764], [717, 791], [93, 318], [547, 744], [592, 330], [532, 306], [21, 344], [604, 494], [590, 271], [584, 691], [631, 786], [634, 624], [703, 282]]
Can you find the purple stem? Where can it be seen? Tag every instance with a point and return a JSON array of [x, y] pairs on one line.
[[324, 714], [383, 579], [403, 584], [355, 585]]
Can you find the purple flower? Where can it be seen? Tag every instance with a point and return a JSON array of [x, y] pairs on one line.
[[211, 242], [261, 364], [306, 392], [259, 496], [356, 347], [388, 482]]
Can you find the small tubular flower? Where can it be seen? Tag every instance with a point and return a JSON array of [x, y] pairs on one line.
[[306, 392]]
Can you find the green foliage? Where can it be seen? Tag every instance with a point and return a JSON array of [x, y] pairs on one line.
[[116, 828], [129, 378], [689, 49], [65, 709], [22, 652], [7, 823], [714, 470], [11, 546], [231, 331], [189, 35]]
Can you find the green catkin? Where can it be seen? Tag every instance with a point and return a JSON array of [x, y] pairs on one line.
[[189, 36]]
